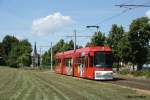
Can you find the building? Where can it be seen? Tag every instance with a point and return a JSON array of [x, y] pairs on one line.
[[35, 57]]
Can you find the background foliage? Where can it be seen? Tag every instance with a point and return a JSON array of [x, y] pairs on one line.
[[14, 52], [131, 46]]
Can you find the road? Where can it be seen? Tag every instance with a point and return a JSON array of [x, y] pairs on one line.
[[19, 84]]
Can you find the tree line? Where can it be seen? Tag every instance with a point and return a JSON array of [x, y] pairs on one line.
[[60, 46], [131, 47], [15, 52]]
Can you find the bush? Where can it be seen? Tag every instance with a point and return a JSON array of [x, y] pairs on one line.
[[145, 73], [116, 65], [137, 73], [148, 74], [141, 73], [124, 72]]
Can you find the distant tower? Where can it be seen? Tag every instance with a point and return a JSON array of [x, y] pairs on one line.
[[35, 57], [35, 50]]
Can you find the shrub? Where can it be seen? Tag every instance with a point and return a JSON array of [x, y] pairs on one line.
[[145, 73], [124, 72], [142, 73], [137, 73]]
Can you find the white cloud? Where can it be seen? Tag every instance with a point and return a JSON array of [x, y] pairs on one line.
[[148, 14], [50, 24]]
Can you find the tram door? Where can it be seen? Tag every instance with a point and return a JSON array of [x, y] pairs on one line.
[[90, 67], [85, 66]]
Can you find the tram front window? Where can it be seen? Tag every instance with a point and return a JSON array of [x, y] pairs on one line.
[[103, 59]]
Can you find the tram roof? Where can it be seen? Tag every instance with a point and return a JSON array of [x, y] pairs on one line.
[[86, 50]]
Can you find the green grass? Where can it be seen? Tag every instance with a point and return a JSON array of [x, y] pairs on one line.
[[19, 84]]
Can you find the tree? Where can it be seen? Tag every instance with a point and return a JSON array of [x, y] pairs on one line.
[[139, 37], [46, 58], [19, 55], [124, 49], [24, 60], [2, 54], [12, 56], [89, 44], [68, 46], [26, 47], [61, 46], [71, 45], [98, 39], [148, 57], [115, 39], [8, 43]]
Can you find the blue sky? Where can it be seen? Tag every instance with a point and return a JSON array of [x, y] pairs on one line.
[[17, 18]]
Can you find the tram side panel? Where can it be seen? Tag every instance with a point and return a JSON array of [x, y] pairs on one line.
[[58, 66], [68, 66]]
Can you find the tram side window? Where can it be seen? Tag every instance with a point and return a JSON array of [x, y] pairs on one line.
[[68, 62], [80, 60], [58, 61]]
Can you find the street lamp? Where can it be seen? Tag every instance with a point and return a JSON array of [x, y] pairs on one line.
[[94, 26]]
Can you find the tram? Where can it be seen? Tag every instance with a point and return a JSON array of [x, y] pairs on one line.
[[89, 62]]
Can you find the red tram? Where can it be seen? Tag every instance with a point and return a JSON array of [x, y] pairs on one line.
[[90, 62]]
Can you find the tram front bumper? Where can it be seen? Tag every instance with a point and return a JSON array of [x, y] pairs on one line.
[[103, 75]]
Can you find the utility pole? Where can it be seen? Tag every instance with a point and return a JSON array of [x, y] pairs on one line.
[[40, 56], [51, 60], [75, 37], [51, 57]]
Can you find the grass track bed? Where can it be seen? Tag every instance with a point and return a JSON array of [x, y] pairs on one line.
[[19, 84]]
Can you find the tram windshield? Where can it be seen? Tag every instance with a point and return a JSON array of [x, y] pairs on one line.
[[103, 59]]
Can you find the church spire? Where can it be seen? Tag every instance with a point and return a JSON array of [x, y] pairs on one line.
[[35, 50]]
